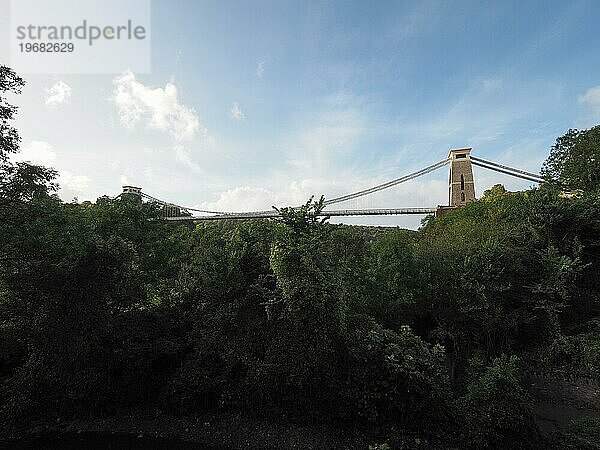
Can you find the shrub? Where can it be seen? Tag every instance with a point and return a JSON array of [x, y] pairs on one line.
[[496, 410], [395, 378], [197, 385], [582, 434], [577, 355]]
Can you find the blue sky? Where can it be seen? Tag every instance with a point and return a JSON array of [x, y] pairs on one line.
[[251, 104]]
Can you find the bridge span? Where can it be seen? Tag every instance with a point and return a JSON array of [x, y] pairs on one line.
[[333, 213], [461, 190]]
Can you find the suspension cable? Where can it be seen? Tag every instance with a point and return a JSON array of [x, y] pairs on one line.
[[518, 175], [391, 183], [162, 202], [512, 169]]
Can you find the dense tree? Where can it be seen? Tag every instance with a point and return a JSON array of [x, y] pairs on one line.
[[574, 160], [497, 411], [10, 83]]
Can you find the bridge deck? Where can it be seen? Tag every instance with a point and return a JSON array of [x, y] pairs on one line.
[[332, 213]]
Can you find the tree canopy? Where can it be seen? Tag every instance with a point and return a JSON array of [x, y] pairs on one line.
[[574, 160]]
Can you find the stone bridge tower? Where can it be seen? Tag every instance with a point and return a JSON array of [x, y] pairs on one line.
[[132, 192], [461, 185]]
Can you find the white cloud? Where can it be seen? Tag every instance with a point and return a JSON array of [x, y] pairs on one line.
[[75, 183], [42, 153], [592, 99], [260, 69], [333, 136], [428, 192], [242, 198], [74, 186], [183, 156], [158, 108], [37, 152], [58, 94], [284, 193], [236, 112]]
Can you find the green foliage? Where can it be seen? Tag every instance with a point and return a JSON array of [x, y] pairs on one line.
[[506, 272], [575, 355], [394, 278], [384, 446], [10, 82], [494, 192], [199, 384], [395, 376], [574, 160], [309, 314], [496, 409], [582, 434], [225, 287]]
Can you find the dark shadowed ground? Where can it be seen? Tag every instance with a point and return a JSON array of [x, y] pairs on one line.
[[150, 429], [558, 401]]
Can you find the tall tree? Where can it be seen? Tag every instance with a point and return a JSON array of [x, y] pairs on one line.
[[574, 160], [20, 183], [10, 82]]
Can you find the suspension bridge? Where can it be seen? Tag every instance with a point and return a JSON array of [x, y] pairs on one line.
[[461, 190]]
